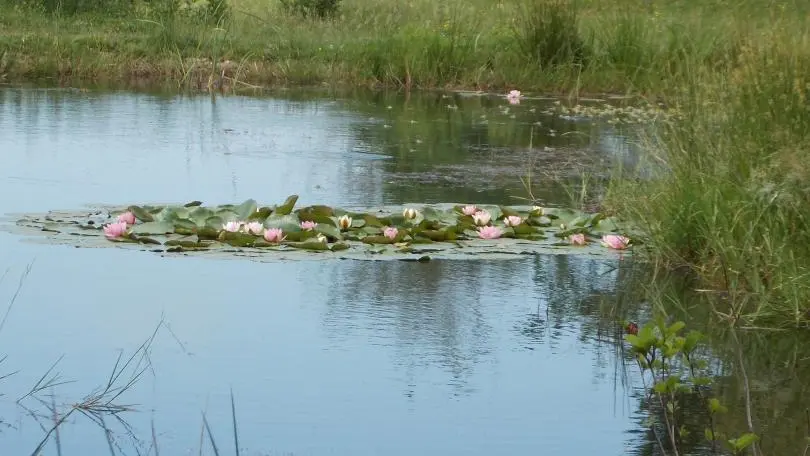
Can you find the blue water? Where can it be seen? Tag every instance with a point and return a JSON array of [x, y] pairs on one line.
[[323, 357]]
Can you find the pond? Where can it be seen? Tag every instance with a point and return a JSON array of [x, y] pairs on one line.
[[473, 357]]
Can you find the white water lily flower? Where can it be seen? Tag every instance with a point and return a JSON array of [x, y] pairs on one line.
[[537, 210], [410, 213], [321, 238], [344, 222]]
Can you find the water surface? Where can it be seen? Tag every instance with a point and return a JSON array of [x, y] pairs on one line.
[[323, 358]]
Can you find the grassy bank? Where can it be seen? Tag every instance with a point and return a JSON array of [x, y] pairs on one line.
[[731, 198], [536, 45]]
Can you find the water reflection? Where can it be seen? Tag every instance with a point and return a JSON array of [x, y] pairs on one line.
[[375, 148], [324, 357]]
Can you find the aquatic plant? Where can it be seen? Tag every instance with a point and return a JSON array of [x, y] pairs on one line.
[[677, 372], [427, 231]]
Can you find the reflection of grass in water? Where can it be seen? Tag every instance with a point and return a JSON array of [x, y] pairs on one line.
[[100, 405]]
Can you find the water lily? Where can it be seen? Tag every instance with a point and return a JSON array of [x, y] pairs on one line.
[[489, 232], [577, 239], [537, 210], [274, 235], [391, 232], [410, 213], [344, 222], [513, 96], [127, 217], [481, 218], [115, 230], [614, 241], [512, 220], [308, 225], [233, 227], [321, 238], [469, 209], [254, 228]]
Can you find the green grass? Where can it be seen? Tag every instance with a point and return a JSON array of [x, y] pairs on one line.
[[535, 45], [731, 198]]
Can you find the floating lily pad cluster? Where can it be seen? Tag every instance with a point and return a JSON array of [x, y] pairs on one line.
[[445, 230]]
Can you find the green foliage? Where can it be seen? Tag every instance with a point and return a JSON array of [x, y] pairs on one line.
[[71, 7], [547, 32], [672, 359], [312, 8], [730, 199], [443, 230]]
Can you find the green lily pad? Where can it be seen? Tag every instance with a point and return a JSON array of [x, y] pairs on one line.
[[152, 228], [287, 207], [141, 213], [439, 231]]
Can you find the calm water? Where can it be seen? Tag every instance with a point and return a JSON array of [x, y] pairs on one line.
[[323, 358]]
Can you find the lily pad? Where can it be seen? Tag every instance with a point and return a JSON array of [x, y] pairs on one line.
[[438, 231]]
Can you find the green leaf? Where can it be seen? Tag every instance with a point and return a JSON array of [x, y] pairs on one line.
[[523, 228], [260, 215], [194, 203], [744, 441], [676, 327], [307, 213], [377, 240], [709, 434], [287, 207], [237, 239], [310, 245], [200, 214], [287, 223], [246, 209], [338, 246], [433, 235], [152, 228], [715, 406], [141, 214], [328, 230]]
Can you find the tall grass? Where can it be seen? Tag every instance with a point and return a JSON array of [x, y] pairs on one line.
[[540, 45], [732, 195]]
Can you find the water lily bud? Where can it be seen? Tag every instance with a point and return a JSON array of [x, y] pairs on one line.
[[410, 213], [321, 238], [344, 222], [537, 210]]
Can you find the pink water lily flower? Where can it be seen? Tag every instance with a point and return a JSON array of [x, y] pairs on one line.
[[469, 209], [614, 241], [391, 232], [115, 230], [577, 239], [127, 217], [513, 96], [308, 225], [274, 235], [512, 220], [233, 227], [254, 228], [489, 232], [482, 218]]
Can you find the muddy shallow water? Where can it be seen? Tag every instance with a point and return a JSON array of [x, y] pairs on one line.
[[323, 357]]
